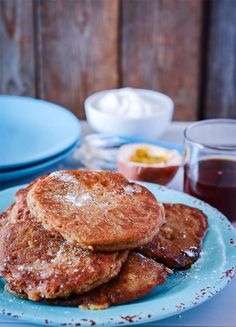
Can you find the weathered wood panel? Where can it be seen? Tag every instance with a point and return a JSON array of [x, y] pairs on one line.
[[17, 48], [161, 49], [77, 49], [220, 95], [64, 50]]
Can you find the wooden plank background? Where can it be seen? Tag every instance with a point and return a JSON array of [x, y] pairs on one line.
[[64, 50], [17, 65], [77, 49], [221, 66], [161, 48]]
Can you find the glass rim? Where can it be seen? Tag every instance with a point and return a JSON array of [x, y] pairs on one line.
[[205, 122]]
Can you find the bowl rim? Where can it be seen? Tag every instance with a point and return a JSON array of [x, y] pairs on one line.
[[129, 163], [167, 108], [204, 122]]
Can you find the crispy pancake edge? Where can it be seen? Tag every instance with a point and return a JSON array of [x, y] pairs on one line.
[[185, 257], [138, 276]]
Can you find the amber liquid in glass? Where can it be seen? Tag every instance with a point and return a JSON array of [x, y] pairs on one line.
[[214, 181]]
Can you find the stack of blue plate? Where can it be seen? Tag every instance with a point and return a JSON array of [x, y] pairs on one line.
[[34, 134]]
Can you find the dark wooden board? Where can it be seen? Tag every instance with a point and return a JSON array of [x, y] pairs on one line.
[[161, 49], [77, 50], [220, 95], [17, 69]]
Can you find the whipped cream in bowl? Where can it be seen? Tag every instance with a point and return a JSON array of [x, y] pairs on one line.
[[129, 112]]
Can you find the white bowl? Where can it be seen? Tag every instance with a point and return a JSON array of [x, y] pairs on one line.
[[148, 126]]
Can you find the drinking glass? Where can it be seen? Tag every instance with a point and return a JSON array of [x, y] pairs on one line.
[[210, 163]]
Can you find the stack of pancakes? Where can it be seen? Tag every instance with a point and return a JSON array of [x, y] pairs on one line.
[[93, 239]]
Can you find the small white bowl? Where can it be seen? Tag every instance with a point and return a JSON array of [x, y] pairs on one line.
[[148, 126]]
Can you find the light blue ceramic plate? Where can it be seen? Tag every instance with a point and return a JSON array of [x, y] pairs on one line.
[[33, 169], [32, 130], [181, 292]]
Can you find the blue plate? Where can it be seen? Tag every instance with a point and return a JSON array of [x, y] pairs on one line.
[[182, 291], [33, 130], [33, 169]]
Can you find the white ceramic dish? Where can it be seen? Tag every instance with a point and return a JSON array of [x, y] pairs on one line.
[[151, 126]]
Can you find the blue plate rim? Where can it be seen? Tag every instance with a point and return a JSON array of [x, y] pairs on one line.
[[32, 169], [165, 144]]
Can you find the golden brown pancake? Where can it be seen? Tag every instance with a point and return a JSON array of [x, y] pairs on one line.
[[178, 243], [4, 216], [21, 195], [97, 210], [42, 264], [137, 278]]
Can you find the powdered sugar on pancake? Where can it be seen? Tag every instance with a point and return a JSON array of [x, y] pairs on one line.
[[65, 177], [78, 200]]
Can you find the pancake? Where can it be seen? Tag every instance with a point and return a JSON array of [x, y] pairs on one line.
[[137, 278], [20, 201], [97, 210], [21, 195], [179, 241], [40, 264], [5, 214]]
